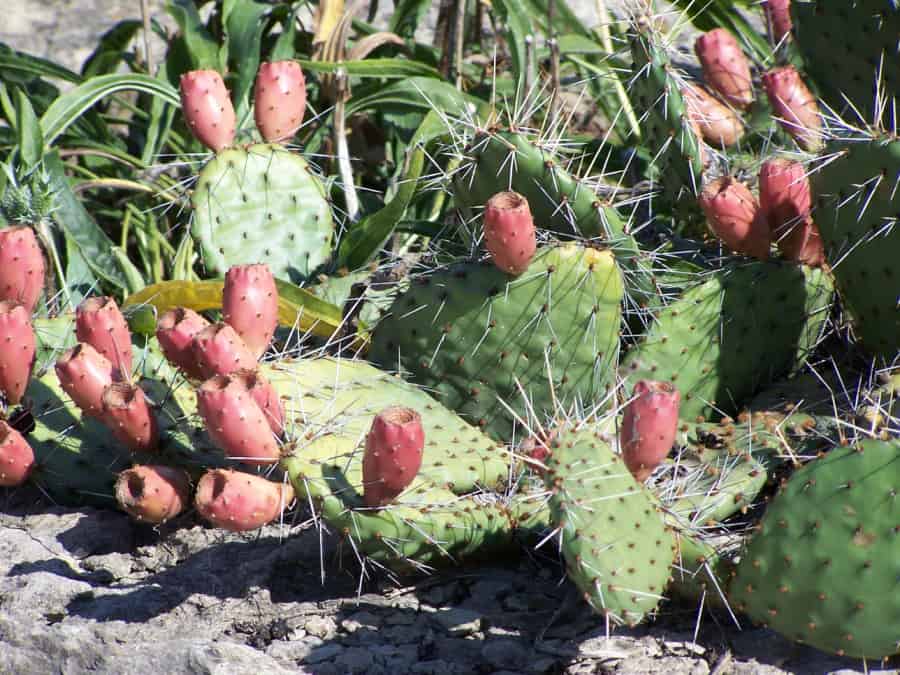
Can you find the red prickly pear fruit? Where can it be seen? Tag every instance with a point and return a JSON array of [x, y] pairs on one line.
[[509, 233], [127, 413], [250, 305], [84, 374], [22, 268], [393, 454], [17, 350], [725, 66], [99, 323], [785, 198], [778, 18], [734, 217], [153, 493], [795, 105], [218, 350], [175, 332], [238, 501], [718, 124], [265, 396], [16, 457], [279, 99], [235, 422], [649, 424], [207, 108]]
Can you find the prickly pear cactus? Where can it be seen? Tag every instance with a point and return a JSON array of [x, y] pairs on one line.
[[823, 567], [739, 330], [617, 548], [857, 211], [262, 204], [474, 335]]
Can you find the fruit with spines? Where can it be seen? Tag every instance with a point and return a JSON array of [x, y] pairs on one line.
[[734, 216], [207, 108], [219, 350], [18, 349], [99, 322], [153, 493], [240, 502], [265, 395], [22, 269], [16, 457], [725, 66], [393, 454], [279, 99], [718, 124], [509, 233], [250, 305], [778, 19], [175, 332], [794, 105], [649, 425], [785, 199], [127, 413], [84, 374]]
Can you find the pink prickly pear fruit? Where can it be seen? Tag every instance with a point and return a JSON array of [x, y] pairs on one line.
[[238, 501], [250, 305], [84, 374], [393, 454], [153, 493], [175, 332], [207, 108], [718, 124], [725, 66], [16, 457], [219, 350], [794, 104], [279, 99], [778, 18], [99, 323], [17, 350], [265, 396], [649, 424], [734, 217], [235, 422], [509, 233], [127, 413], [786, 199], [22, 267]]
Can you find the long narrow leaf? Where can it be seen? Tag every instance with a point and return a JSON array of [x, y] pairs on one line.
[[31, 143], [382, 68], [26, 66]]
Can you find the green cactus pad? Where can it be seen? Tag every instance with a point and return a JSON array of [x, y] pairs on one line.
[[740, 329], [262, 204], [857, 210], [473, 335], [617, 549], [844, 43], [823, 569]]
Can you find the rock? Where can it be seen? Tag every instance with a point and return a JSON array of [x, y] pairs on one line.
[[321, 627], [505, 654], [646, 665], [458, 622], [354, 660]]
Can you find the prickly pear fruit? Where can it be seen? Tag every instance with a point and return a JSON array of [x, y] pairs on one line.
[[279, 99], [715, 122], [509, 233], [127, 413], [734, 216], [175, 332], [778, 18], [17, 350], [725, 66], [84, 374], [16, 457], [795, 105], [250, 305], [785, 198], [235, 422], [265, 396], [393, 454], [99, 323], [219, 350], [21, 266], [649, 424], [238, 501], [153, 493], [207, 108]]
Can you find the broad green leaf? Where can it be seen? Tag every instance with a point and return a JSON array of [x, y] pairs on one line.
[[407, 16], [245, 28], [110, 51], [134, 279], [424, 93], [565, 20], [382, 68], [201, 46], [571, 43], [28, 130], [515, 16], [284, 45]]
